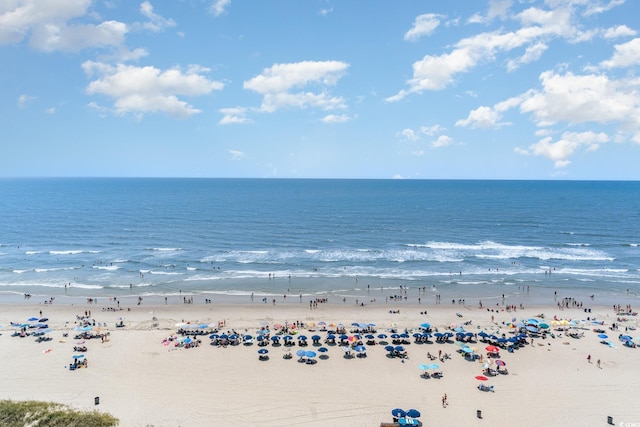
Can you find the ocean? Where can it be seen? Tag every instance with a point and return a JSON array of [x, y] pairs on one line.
[[230, 239]]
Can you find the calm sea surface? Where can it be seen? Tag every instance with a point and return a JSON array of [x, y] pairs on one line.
[[335, 238]]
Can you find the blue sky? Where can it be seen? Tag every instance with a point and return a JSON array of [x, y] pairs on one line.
[[502, 89]]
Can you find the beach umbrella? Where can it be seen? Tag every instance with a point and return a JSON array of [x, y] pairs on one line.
[[301, 353], [323, 349], [423, 367], [603, 336], [216, 336], [500, 363], [413, 413], [389, 348], [399, 348], [322, 323], [543, 326], [263, 351], [275, 338], [481, 378], [78, 356], [532, 321], [425, 325], [382, 336], [532, 329], [360, 349], [32, 319], [188, 340], [310, 354], [369, 336], [492, 349], [398, 413], [626, 338], [467, 350], [44, 319], [246, 337], [316, 338], [433, 366]]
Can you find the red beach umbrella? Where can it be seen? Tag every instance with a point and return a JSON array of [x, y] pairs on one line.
[[492, 349], [481, 378]]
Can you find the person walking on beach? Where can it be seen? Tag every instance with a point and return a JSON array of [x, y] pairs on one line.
[[599, 363], [589, 358]]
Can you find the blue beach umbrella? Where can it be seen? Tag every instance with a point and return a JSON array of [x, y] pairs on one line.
[[263, 351], [382, 336], [78, 356], [433, 366], [398, 413], [603, 336], [389, 348], [32, 319], [423, 367], [216, 336], [425, 325], [413, 413], [301, 353], [310, 354], [323, 349], [399, 348], [360, 349]]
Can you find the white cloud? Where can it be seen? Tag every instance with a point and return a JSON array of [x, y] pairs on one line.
[[50, 110], [236, 154], [442, 141], [600, 6], [156, 22], [482, 117], [277, 83], [141, 90], [436, 72], [24, 99], [559, 151], [499, 9], [47, 26], [408, 134], [531, 54], [219, 7], [584, 98], [619, 31], [625, 55], [333, 118], [234, 115], [432, 130], [423, 26]]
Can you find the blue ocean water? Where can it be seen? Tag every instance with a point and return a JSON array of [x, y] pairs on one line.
[[122, 237]]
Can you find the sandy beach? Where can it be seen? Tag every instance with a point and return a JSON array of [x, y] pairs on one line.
[[143, 378]]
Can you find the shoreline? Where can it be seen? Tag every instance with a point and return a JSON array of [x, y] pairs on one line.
[[143, 381]]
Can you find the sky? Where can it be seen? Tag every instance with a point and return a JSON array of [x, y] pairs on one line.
[[458, 89]]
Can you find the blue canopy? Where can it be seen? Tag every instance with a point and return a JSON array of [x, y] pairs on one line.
[[398, 413], [413, 413]]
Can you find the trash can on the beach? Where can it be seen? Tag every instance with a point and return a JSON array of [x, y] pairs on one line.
[[479, 413], [96, 400], [609, 420]]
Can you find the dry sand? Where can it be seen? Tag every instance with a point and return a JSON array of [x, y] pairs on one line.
[[143, 382]]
